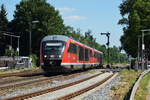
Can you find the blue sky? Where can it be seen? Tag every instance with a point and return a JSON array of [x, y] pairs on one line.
[[96, 15]]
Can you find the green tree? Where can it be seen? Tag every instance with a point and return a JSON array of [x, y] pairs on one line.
[[135, 17], [3, 27], [90, 40], [3, 19], [49, 22]]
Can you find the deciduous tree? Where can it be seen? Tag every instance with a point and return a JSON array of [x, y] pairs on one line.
[[29, 11], [135, 17]]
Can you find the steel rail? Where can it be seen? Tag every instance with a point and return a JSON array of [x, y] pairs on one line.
[[17, 80], [22, 73], [134, 88]]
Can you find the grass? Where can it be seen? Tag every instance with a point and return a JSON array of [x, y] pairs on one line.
[[142, 90], [17, 70], [92, 71], [128, 78]]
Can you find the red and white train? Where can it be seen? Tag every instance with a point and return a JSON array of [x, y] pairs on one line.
[[61, 53]]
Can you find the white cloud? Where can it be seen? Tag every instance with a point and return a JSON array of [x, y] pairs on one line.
[[74, 18], [64, 10]]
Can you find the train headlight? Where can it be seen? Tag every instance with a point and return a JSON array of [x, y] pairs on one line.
[[45, 56], [59, 56]]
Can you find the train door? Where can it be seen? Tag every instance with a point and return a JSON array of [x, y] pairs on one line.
[[81, 54], [90, 56], [94, 58], [86, 53]]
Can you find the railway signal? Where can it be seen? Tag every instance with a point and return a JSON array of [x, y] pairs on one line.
[[30, 35], [108, 35]]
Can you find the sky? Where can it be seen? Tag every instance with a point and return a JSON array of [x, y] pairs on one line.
[[99, 16]]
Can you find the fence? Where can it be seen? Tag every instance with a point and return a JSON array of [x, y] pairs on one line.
[[15, 62]]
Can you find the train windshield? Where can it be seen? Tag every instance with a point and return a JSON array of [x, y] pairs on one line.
[[53, 48]]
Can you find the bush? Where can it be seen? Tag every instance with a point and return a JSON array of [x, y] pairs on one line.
[[133, 63], [8, 52], [11, 52], [34, 60]]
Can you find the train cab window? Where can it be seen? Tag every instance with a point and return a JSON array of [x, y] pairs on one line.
[[53, 47], [72, 48], [81, 54], [86, 55]]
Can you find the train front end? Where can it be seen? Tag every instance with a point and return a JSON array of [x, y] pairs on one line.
[[51, 52]]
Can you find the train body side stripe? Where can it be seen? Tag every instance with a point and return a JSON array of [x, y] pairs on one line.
[[78, 63]]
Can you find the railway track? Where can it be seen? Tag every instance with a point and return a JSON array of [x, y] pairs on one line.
[[11, 85], [36, 72], [17, 79], [68, 85], [27, 81], [23, 73]]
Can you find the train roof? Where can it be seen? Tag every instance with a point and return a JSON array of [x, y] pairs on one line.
[[55, 37], [63, 38]]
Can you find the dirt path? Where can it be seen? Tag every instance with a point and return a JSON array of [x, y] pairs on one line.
[[148, 96]]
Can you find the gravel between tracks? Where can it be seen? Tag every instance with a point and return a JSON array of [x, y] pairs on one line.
[[104, 93], [50, 85]]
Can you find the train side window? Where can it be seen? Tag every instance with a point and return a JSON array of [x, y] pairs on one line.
[[86, 55], [72, 48], [91, 53], [95, 54], [81, 54], [99, 57]]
